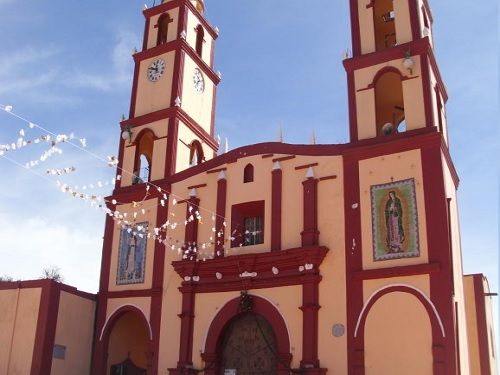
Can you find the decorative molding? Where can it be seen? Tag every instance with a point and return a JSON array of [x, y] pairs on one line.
[[289, 262]]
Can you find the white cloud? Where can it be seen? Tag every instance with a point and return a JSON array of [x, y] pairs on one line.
[[30, 244], [117, 75]]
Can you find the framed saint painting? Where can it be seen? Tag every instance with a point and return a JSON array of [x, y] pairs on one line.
[[132, 254], [394, 220]]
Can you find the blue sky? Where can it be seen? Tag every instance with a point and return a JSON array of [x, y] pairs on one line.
[[67, 66]]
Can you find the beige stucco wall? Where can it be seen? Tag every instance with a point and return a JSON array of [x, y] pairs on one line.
[[381, 170], [197, 105], [490, 323], [185, 137], [75, 327], [435, 113], [153, 96], [392, 346], [18, 323], [472, 334], [456, 247], [192, 24], [332, 351], [150, 208], [365, 99], [172, 28]]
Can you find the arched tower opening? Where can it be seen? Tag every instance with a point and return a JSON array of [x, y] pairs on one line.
[[389, 103], [144, 157]]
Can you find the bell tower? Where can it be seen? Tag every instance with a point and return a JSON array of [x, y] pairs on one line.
[[170, 128], [172, 110], [393, 80]]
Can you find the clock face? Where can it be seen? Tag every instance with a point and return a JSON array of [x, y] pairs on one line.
[[199, 82], [156, 69]]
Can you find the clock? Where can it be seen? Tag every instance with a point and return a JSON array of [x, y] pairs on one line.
[[156, 69], [198, 80]]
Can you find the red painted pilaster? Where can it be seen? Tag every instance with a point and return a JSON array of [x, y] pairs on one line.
[[171, 157], [310, 307], [353, 246], [220, 218], [41, 362], [276, 201], [444, 349], [310, 234], [187, 326], [191, 233]]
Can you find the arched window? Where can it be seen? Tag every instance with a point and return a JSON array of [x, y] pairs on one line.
[[163, 23], [196, 154], [200, 35], [248, 173], [144, 157], [389, 103], [383, 22]]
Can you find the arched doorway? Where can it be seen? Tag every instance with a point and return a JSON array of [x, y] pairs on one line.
[[248, 347], [128, 344], [254, 339]]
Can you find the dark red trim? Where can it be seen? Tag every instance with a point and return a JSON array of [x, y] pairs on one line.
[[427, 91], [284, 158], [147, 24], [276, 204], [172, 112], [333, 177], [220, 219], [214, 107], [394, 53], [135, 84], [414, 19], [287, 262], [157, 291], [353, 251], [187, 329], [482, 325], [449, 162], [353, 116], [400, 271], [191, 232], [310, 308], [306, 166], [355, 28], [429, 11], [27, 284], [171, 155], [310, 234], [267, 156], [41, 362], [441, 284], [228, 313], [197, 186], [106, 253], [216, 170]]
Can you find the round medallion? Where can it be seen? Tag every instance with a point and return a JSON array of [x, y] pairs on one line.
[[199, 81], [156, 69]]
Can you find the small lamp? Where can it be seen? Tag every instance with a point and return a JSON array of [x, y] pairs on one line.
[[408, 62], [127, 135]]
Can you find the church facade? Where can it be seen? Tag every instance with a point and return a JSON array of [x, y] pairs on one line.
[[271, 258]]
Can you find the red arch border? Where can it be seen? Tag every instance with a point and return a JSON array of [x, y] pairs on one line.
[[102, 342], [435, 319], [231, 311]]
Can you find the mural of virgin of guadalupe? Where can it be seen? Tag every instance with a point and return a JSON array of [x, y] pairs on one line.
[[394, 223]]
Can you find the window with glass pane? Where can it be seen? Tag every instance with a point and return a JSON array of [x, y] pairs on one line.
[[253, 231]]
